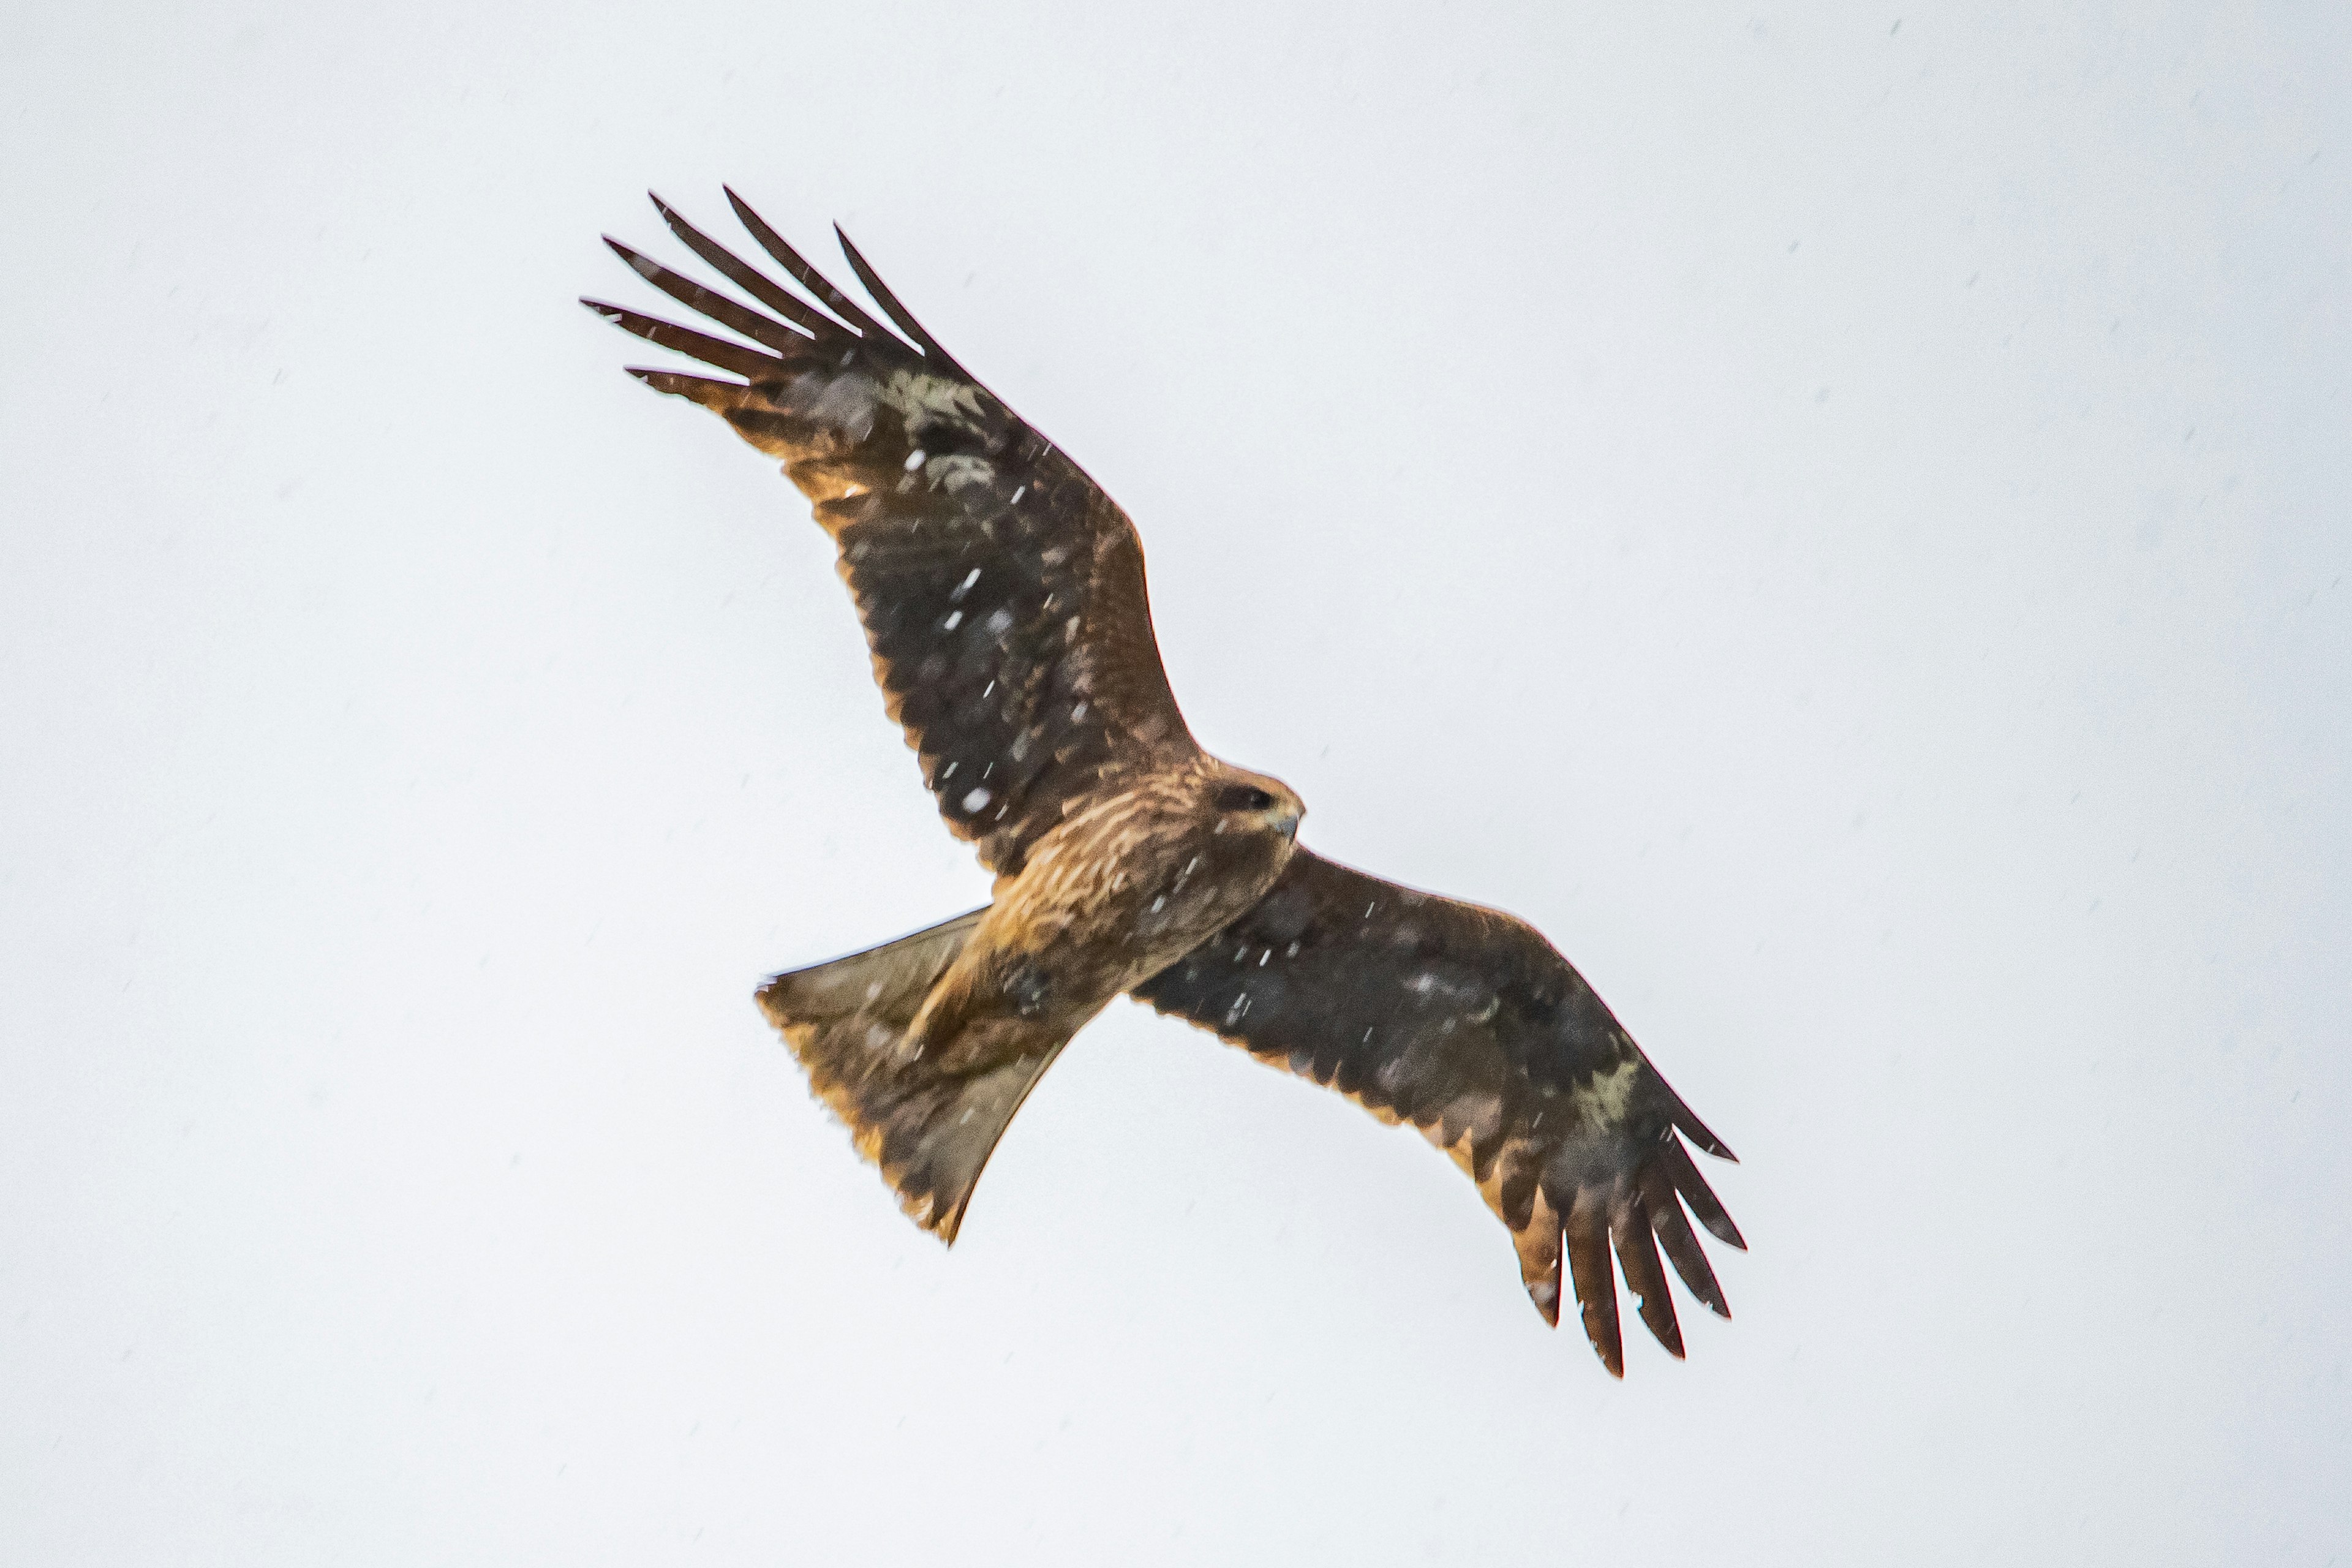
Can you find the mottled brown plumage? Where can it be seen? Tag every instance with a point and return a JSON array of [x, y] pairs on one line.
[[1003, 597]]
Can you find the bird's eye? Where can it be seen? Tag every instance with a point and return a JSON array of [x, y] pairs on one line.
[[1242, 797]]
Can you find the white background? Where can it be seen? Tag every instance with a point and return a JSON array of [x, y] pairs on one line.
[[1837, 512]]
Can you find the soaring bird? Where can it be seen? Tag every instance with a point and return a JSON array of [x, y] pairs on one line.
[[1002, 593]]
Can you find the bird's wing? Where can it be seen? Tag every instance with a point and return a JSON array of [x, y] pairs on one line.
[[1001, 590], [1465, 1022]]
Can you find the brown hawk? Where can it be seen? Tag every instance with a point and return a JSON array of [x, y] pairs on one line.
[[1003, 596]]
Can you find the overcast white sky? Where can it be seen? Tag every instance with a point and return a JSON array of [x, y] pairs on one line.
[[1837, 512]]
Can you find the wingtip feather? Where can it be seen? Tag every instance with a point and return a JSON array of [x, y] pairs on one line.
[[1537, 1245], [857, 320], [1637, 1260], [1704, 1204], [1596, 1284], [902, 318], [709, 391], [1698, 1131], [1672, 1230]]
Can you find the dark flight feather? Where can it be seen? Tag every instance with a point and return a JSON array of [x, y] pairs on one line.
[[1674, 1233], [748, 362], [899, 315], [735, 318], [1637, 1260], [1596, 1288], [808, 276], [744, 276]]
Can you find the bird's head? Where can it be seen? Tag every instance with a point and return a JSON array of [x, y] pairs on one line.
[[1245, 802]]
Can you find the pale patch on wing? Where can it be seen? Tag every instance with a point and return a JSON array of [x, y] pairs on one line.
[[923, 399], [1602, 1102], [848, 401], [959, 471]]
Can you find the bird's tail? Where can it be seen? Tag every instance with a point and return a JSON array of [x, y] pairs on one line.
[[929, 1131]]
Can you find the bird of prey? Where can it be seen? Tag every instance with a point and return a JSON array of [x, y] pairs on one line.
[[1002, 593]]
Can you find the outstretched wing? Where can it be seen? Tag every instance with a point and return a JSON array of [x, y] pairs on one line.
[[1001, 590], [1468, 1025]]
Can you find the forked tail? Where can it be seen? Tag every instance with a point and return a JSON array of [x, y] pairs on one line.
[[928, 1132]]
